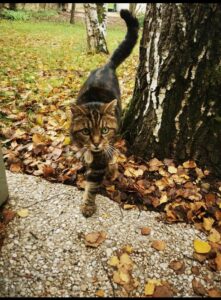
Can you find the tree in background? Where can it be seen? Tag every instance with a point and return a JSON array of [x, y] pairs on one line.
[[176, 106], [132, 8], [95, 32], [72, 13]]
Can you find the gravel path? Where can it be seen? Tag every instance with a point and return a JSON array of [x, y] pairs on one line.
[[44, 254]]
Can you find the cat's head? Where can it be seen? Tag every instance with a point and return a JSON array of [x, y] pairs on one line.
[[94, 125]]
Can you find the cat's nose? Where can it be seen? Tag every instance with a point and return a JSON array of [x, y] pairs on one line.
[[96, 145]]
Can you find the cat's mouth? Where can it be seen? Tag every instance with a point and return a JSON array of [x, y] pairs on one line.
[[96, 150]]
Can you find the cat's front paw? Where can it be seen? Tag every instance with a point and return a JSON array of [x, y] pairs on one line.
[[88, 210]]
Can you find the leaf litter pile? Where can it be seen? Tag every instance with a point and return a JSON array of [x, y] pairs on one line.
[[34, 133]]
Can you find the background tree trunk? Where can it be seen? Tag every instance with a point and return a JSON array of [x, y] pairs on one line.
[[95, 36], [176, 106], [12, 6], [72, 13], [102, 16], [132, 8]]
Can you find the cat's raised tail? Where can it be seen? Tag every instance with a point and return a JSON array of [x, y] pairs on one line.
[[126, 46]]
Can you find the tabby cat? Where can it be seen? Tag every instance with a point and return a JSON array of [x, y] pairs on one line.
[[96, 117]]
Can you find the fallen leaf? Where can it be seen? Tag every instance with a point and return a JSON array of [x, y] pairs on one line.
[[128, 249], [100, 293], [158, 245], [94, 239], [154, 164], [208, 223], [145, 230], [126, 261], [149, 289], [201, 246], [198, 288], [195, 270], [113, 261], [178, 266], [16, 167], [218, 261], [214, 293], [131, 172], [214, 236], [163, 291], [48, 170], [8, 215], [23, 213], [129, 206], [189, 164], [199, 257], [172, 170]]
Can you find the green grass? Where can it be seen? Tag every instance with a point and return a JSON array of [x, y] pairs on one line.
[[45, 63]]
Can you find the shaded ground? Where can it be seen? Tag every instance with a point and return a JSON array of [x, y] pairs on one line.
[[44, 252]]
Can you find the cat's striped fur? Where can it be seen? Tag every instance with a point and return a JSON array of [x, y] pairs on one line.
[[96, 117]]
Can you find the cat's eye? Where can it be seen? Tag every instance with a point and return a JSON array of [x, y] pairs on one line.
[[86, 131], [104, 130]]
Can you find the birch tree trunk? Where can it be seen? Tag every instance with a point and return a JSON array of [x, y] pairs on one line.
[[102, 17], [95, 35], [132, 8], [72, 13], [176, 106]]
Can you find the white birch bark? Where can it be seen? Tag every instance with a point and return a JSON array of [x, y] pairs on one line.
[[95, 34]]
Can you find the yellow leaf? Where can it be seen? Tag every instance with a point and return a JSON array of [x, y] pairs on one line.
[[189, 164], [113, 261], [149, 289], [129, 206], [125, 277], [214, 236], [116, 277], [131, 172], [172, 170], [37, 138], [201, 246], [23, 213], [128, 249], [100, 293], [163, 198], [67, 141], [207, 223], [39, 120], [125, 259]]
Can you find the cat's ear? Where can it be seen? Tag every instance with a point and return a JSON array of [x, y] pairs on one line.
[[109, 108], [78, 109]]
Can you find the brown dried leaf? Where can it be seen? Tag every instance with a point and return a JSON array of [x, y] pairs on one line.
[[100, 293], [48, 170], [189, 164], [131, 172], [199, 257], [145, 230], [195, 270], [94, 239], [8, 215], [15, 167], [218, 261], [158, 245], [163, 291], [178, 266], [198, 288], [214, 293], [154, 164]]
